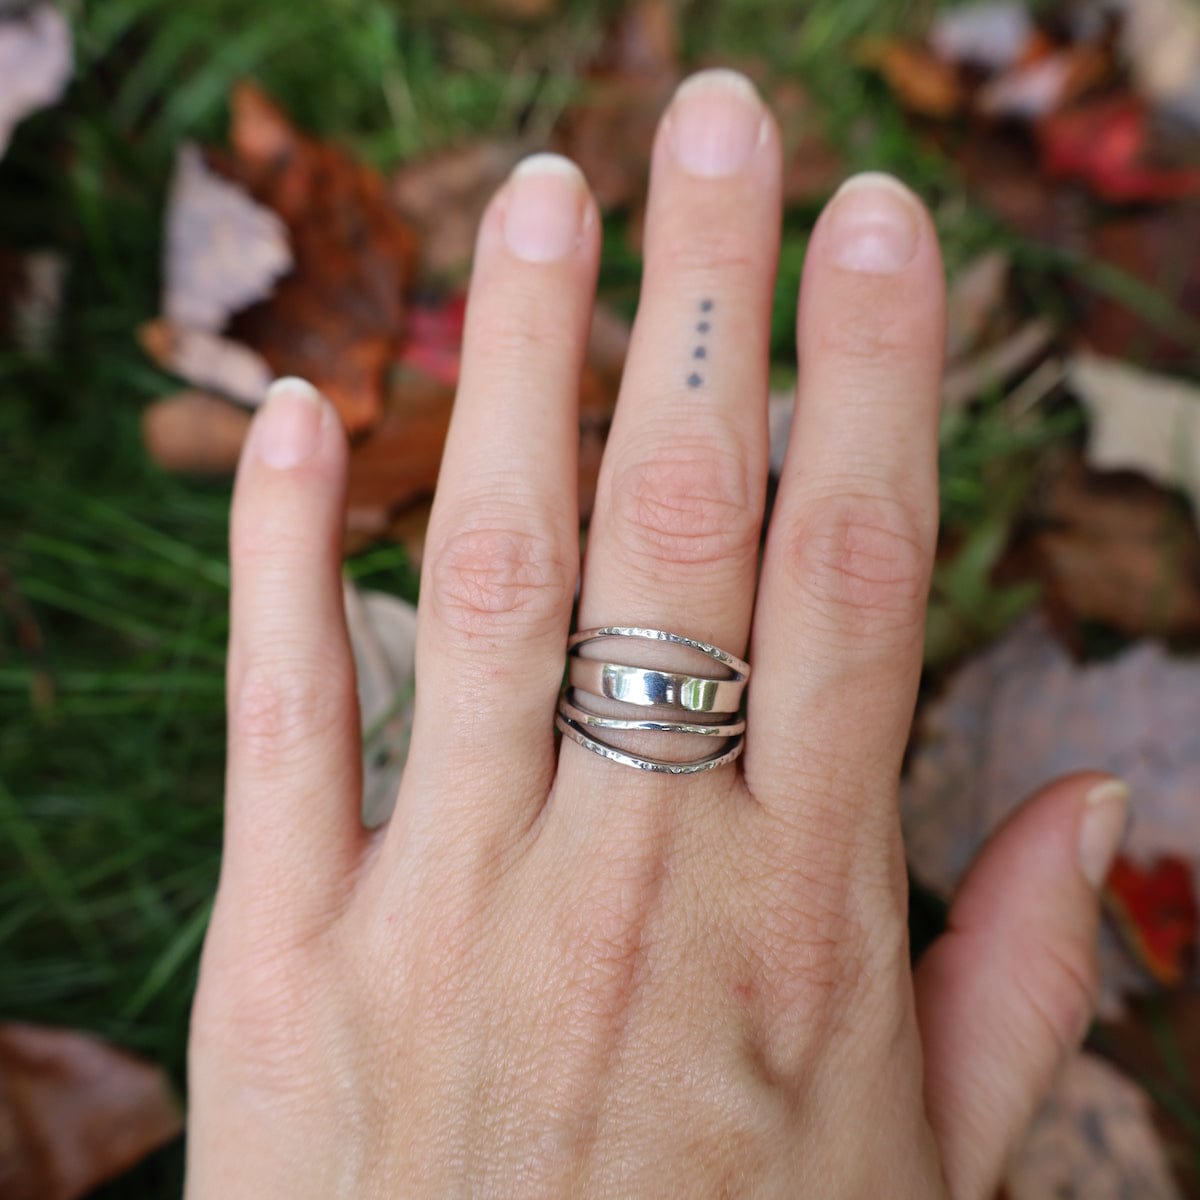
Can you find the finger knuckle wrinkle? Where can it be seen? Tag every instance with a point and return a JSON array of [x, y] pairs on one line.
[[864, 557], [879, 338], [1057, 985], [519, 334], [486, 580], [275, 708], [724, 249], [687, 510]]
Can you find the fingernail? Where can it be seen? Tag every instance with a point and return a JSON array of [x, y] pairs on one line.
[[715, 122], [872, 224], [543, 215], [1105, 811], [289, 426]]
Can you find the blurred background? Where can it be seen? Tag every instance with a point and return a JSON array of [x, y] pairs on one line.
[[197, 197]]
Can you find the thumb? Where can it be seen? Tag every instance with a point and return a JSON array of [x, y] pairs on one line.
[[1007, 992]]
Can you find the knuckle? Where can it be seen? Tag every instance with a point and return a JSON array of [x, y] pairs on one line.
[[698, 244], [518, 332], [689, 508], [484, 582], [280, 710], [863, 557]]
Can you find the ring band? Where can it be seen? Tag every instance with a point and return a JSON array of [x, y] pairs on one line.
[[586, 718], [649, 688], [719, 759]]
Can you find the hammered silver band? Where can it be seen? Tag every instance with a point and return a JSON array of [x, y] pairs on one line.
[[674, 699]]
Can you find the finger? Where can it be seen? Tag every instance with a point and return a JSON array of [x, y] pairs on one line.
[[674, 537], [293, 776], [1007, 992], [839, 623], [502, 552]]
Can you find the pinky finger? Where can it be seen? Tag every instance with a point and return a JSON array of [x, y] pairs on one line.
[[292, 830]]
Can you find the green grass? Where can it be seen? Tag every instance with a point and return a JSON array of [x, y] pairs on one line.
[[113, 576]]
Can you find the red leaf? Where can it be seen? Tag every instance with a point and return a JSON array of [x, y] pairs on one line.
[[1105, 146], [1155, 910]]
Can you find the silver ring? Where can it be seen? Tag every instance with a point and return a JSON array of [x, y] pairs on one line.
[[649, 688], [646, 687], [585, 718], [739, 667], [719, 759]]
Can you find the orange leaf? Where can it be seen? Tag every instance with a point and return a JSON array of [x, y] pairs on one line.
[[922, 81], [1155, 910]]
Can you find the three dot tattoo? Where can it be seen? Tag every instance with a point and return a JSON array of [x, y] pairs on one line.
[[700, 351]]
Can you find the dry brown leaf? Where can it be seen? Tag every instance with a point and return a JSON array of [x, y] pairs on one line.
[[36, 60], [75, 1111], [1111, 549], [337, 320], [223, 252], [1160, 39], [1034, 89], [195, 431], [1094, 1139], [923, 83], [1133, 715], [383, 632], [1140, 421], [444, 196]]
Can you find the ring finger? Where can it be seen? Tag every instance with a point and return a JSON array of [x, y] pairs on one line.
[[674, 540]]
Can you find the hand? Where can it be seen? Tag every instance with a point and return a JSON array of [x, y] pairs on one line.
[[552, 975]]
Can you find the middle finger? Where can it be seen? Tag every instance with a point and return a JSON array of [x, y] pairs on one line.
[[674, 540]]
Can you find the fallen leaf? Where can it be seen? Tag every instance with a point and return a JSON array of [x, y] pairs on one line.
[[36, 61], [1154, 908], [974, 295], [1109, 549], [31, 294], [1160, 39], [1094, 1139], [208, 360], [1035, 89], [383, 632], [74, 1112], [224, 252], [1105, 146], [1133, 715], [444, 196], [923, 82], [993, 366], [337, 320], [195, 431], [1140, 421], [991, 35]]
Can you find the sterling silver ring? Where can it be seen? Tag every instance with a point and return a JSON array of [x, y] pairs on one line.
[[674, 697]]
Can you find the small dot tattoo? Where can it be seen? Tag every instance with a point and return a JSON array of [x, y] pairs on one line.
[[700, 353]]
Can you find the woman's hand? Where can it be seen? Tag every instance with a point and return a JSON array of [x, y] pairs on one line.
[[553, 975]]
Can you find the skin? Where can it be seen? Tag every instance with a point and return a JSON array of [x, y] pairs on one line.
[[550, 975]]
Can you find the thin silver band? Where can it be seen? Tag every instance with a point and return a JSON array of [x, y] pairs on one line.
[[650, 689], [584, 717], [739, 667], [569, 729]]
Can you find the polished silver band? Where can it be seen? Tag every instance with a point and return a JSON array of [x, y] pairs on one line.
[[675, 696], [655, 689]]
